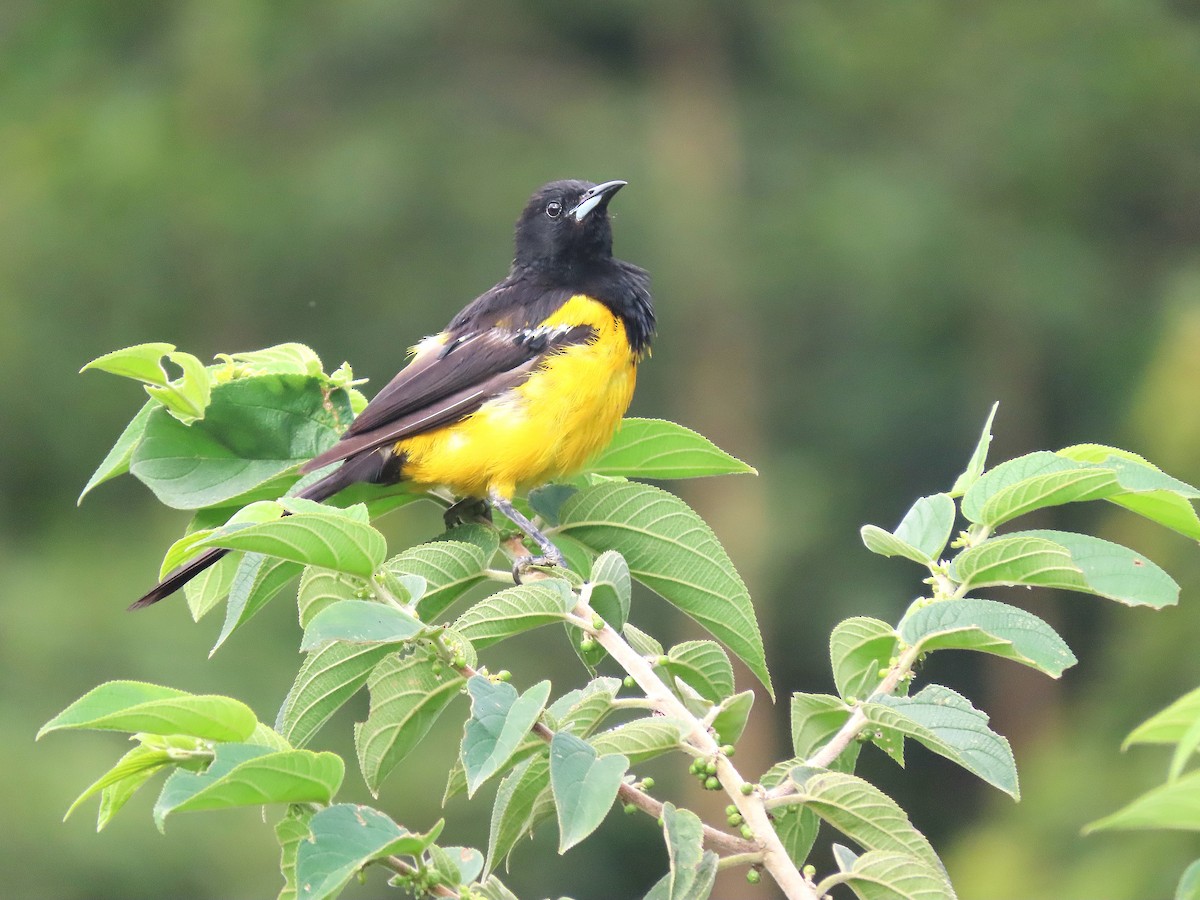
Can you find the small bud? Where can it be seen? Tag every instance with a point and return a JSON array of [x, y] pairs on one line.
[[694, 768], [712, 783], [587, 645], [735, 820], [727, 749], [852, 700], [747, 788], [436, 668], [809, 872], [662, 661], [753, 877], [748, 832], [597, 623], [629, 809], [630, 681], [710, 768], [660, 821], [883, 673], [730, 809], [716, 736], [362, 876], [504, 675], [647, 784], [460, 661]]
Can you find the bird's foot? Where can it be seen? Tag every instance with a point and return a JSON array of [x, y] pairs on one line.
[[469, 510], [527, 564]]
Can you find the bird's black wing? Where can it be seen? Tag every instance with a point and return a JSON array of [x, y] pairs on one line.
[[450, 381]]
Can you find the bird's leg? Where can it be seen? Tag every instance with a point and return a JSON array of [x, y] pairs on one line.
[[468, 509], [550, 554]]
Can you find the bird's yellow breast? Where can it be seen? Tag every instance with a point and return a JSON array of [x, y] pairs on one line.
[[563, 414]]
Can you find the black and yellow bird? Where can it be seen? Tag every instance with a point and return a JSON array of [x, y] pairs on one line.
[[524, 385]]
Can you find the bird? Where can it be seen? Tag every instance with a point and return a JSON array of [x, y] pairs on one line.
[[525, 385]]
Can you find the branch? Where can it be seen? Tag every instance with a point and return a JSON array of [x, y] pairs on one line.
[[775, 858]]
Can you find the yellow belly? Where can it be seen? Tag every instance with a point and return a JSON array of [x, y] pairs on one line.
[[551, 425]]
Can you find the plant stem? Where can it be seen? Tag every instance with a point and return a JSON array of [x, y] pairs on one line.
[[775, 858]]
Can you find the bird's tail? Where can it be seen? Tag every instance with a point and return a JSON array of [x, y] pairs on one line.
[[348, 473]]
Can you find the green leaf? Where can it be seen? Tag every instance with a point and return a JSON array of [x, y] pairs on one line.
[[1189, 883], [704, 667], [863, 813], [582, 710], [491, 888], [1174, 805], [692, 868], [289, 832], [450, 568], [978, 458], [611, 588], [327, 679], [186, 397], [456, 865], [141, 362], [987, 627], [116, 462], [256, 580], [114, 795], [328, 540], [254, 429], [1017, 559], [136, 766], [584, 785], [499, 722], [346, 837], [640, 641], [514, 610], [360, 622], [730, 722], [249, 775], [321, 588], [655, 448], [523, 801], [641, 739], [1170, 725], [947, 723], [881, 875], [1034, 481], [548, 499], [407, 696], [134, 706], [1184, 751], [1112, 571], [921, 535], [282, 359], [815, 719], [672, 551], [858, 648]]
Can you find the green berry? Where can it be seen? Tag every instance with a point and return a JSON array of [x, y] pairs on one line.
[[727, 749], [587, 645], [436, 668], [712, 783], [735, 820], [630, 809], [809, 872], [753, 877], [648, 784], [662, 661], [597, 623], [747, 832], [504, 675], [630, 681], [460, 662], [660, 821], [710, 768], [694, 768], [747, 788], [731, 810]]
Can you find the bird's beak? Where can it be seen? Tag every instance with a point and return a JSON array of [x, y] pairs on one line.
[[596, 198]]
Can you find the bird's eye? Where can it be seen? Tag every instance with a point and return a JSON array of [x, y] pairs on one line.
[[554, 209]]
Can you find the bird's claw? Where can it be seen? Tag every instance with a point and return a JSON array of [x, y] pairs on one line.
[[523, 565]]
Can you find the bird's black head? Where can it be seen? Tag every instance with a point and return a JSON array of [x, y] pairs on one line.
[[564, 230]]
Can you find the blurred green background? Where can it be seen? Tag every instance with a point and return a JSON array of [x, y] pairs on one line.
[[865, 223]]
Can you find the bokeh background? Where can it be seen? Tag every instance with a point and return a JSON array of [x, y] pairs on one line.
[[865, 223]]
